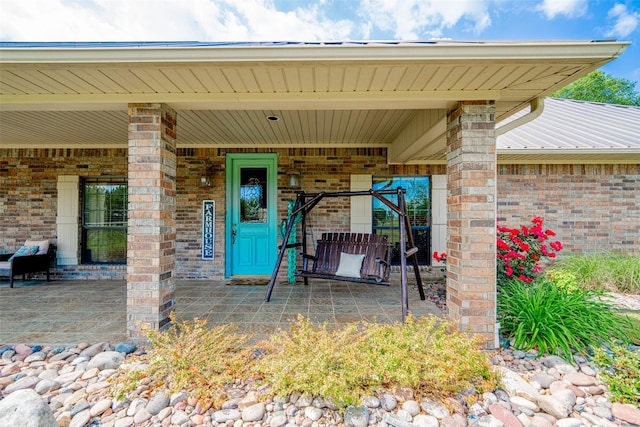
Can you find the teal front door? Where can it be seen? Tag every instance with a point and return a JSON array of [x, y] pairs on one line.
[[251, 214]]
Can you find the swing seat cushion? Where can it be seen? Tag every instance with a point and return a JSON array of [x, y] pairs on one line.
[[356, 257]]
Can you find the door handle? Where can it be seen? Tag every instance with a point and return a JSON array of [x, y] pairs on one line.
[[233, 235]]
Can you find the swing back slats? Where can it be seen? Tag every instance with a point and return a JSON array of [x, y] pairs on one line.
[[375, 248]]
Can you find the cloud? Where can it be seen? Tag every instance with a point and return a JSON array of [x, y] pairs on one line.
[[568, 8], [419, 19], [625, 21], [166, 20]]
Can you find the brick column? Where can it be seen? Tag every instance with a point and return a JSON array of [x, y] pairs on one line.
[[152, 216], [471, 219]]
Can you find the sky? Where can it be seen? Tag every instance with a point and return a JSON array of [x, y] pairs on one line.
[[328, 20]]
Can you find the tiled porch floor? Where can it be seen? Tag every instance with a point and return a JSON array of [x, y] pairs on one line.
[[69, 312]]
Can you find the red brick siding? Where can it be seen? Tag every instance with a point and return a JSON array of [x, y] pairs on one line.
[[592, 208], [28, 197]]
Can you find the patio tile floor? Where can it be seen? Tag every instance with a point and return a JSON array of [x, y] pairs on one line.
[[65, 312]]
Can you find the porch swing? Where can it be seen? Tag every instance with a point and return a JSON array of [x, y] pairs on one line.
[[352, 257]]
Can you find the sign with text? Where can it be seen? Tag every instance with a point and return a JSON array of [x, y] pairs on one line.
[[208, 228]]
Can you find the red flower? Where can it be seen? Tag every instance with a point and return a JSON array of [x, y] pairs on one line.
[[557, 246], [441, 257]]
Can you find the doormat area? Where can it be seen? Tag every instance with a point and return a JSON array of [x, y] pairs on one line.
[[248, 282]]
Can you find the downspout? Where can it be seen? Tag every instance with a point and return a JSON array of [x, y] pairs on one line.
[[537, 107]]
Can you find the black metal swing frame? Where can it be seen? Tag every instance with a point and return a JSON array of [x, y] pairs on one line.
[[305, 202]]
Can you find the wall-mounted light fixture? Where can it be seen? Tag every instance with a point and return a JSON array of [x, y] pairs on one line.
[[294, 178], [206, 175]]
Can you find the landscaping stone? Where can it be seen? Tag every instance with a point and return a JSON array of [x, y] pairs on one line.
[[626, 412], [25, 408], [540, 392]]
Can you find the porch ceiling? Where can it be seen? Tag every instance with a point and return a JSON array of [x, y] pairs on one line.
[[343, 94]]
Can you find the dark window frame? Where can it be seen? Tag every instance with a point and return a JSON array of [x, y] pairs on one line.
[[104, 222], [421, 232]]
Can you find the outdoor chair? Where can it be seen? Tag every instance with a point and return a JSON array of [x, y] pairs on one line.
[[33, 257]]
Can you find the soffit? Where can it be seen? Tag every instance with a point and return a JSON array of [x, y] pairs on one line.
[[326, 94]]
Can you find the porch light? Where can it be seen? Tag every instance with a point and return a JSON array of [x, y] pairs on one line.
[[294, 178], [206, 175]]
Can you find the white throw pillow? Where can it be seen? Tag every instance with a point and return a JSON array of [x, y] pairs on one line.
[[43, 245], [350, 265]]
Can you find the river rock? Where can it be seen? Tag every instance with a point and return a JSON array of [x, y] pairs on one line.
[[21, 384], [256, 412], [25, 408], [515, 385], [580, 379], [553, 406], [422, 420], [412, 407], [569, 422], [388, 401], [125, 347], [545, 380], [80, 419], [626, 412], [356, 416], [225, 415], [157, 403], [504, 415], [93, 350], [560, 364], [106, 360], [435, 408], [396, 420]]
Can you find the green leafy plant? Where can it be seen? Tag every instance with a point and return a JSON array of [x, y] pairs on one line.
[[427, 355], [620, 370], [603, 271], [558, 321]]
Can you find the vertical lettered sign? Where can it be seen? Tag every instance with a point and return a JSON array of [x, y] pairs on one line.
[[208, 228]]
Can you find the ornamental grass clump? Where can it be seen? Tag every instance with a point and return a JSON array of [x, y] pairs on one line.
[[556, 320], [604, 271], [345, 364], [341, 364], [188, 356]]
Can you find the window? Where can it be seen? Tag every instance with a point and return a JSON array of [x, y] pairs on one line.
[[417, 199], [104, 220]]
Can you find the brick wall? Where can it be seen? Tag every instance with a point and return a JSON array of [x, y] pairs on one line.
[[28, 190], [320, 170], [607, 214], [592, 208]]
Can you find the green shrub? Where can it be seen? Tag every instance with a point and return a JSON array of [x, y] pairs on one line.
[[427, 355], [605, 271], [345, 364], [188, 356], [558, 321], [621, 372]]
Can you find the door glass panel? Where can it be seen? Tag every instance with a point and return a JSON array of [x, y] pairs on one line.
[[253, 195]]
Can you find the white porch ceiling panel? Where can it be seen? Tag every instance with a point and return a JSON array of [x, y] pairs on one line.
[[326, 94]]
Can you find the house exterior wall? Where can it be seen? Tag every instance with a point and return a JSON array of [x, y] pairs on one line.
[[28, 196], [591, 207]]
